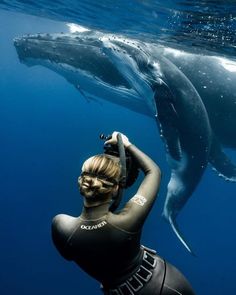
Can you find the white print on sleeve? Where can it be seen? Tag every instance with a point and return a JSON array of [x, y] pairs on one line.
[[139, 200]]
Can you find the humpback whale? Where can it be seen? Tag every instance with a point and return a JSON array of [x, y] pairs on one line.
[[165, 84]]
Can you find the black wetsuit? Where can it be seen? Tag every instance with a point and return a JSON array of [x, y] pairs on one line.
[[107, 245]]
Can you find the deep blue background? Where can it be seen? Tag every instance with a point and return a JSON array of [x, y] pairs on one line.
[[47, 130]]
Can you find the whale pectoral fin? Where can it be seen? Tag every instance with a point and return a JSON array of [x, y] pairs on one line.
[[175, 228], [221, 163], [168, 120]]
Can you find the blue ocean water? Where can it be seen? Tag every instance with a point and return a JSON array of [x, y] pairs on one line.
[[48, 128]]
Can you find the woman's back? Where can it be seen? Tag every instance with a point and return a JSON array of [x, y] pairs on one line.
[[99, 246]]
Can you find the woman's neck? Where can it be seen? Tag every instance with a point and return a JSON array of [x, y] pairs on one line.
[[95, 210]]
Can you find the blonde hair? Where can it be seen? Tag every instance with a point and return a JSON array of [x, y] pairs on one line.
[[100, 175]]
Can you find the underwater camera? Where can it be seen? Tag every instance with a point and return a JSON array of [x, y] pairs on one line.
[[132, 169]]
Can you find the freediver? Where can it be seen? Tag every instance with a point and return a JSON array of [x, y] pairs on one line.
[[106, 244]]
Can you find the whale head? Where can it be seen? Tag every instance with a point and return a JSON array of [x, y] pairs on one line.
[[97, 64], [100, 66], [82, 51]]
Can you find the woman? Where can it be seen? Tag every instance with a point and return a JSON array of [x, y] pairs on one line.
[[106, 245]]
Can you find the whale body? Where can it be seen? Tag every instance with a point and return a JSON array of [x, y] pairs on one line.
[[190, 101]]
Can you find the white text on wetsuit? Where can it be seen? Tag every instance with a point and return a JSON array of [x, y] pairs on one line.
[[92, 227]]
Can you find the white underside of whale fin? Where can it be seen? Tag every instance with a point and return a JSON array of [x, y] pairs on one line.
[[179, 235]]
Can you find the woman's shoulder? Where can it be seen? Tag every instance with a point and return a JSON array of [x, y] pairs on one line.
[[61, 218], [63, 225]]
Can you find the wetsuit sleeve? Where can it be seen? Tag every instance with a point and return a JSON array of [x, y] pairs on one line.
[[138, 207], [60, 234]]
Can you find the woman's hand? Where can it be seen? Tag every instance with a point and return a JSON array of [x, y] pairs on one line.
[[113, 139]]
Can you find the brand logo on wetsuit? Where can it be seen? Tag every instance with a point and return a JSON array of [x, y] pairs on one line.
[[92, 227]]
